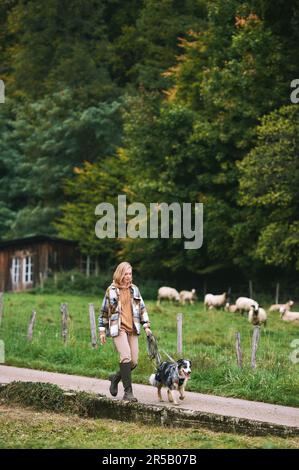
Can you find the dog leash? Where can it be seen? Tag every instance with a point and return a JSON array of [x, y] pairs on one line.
[[152, 349], [153, 352], [169, 357]]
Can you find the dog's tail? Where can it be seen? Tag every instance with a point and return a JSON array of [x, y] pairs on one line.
[[153, 381]]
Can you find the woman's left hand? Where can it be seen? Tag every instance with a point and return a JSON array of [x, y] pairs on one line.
[[148, 332]]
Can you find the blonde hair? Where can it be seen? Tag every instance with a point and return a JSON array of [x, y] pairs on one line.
[[120, 271]]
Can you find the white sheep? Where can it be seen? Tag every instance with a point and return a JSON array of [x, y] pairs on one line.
[[230, 308], [215, 301], [287, 315], [168, 293], [278, 307], [244, 304], [188, 296], [257, 316]]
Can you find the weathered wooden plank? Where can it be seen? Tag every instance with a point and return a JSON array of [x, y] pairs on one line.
[[93, 330], [255, 340], [277, 293], [1, 307], [239, 350], [64, 322], [31, 326], [180, 333]]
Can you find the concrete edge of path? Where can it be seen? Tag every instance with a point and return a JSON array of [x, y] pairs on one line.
[[104, 407]]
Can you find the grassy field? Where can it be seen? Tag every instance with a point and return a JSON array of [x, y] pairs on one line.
[[26, 428], [208, 340]]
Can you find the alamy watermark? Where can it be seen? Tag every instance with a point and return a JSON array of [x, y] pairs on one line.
[[2, 92], [144, 226], [294, 355], [2, 352], [295, 93]]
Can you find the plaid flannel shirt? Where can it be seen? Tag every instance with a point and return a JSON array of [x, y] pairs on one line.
[[110, 313]]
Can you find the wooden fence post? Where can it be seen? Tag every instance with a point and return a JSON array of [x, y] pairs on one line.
[[277, 293], [180, 333], [1, 306], [250, 290], [64, 313], [238, 349], [97, 268], [88, 266], [2, 352], [31, 326], [228, 295], [92, 326], [255, 340], [41, 280]]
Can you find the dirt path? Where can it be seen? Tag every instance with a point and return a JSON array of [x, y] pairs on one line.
[[234, 407]]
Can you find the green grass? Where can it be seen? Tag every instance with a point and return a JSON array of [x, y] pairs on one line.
[[26, 428], [208, 340]]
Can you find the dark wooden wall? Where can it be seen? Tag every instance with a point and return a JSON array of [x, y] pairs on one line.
[[47, 256]]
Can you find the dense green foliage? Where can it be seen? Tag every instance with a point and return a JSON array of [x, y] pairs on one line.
[[269, 188], [161, 101]]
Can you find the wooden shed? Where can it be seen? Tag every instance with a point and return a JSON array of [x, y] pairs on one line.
[[25, 262]]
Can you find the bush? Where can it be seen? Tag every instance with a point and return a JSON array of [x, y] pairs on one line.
[[75, 282]]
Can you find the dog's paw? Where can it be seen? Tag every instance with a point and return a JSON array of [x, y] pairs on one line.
[[182, 398]]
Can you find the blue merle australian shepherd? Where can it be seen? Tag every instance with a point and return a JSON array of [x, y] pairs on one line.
[[174, 376]]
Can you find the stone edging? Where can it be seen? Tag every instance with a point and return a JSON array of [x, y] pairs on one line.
[[98, 406]]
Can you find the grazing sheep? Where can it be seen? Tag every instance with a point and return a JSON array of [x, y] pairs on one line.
[[168, 293], [287, 315], [277, 307], [230, 308], [257, 316], [188, 296], [215, 301], [244, 304]]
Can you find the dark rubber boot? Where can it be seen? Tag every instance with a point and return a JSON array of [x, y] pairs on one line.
[[125, 372], [114, 379]]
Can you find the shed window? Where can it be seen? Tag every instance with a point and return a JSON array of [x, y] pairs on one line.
[[27, 270], [15, 270]]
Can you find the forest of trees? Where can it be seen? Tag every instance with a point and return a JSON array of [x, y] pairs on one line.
[[163, 101]]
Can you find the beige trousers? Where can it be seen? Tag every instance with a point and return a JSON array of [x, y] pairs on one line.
[[127, 347]]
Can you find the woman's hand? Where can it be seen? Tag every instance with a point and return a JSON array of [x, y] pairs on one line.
[[148, 332], [102, 338]]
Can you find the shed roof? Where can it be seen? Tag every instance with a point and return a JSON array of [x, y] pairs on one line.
[[35, 239]]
